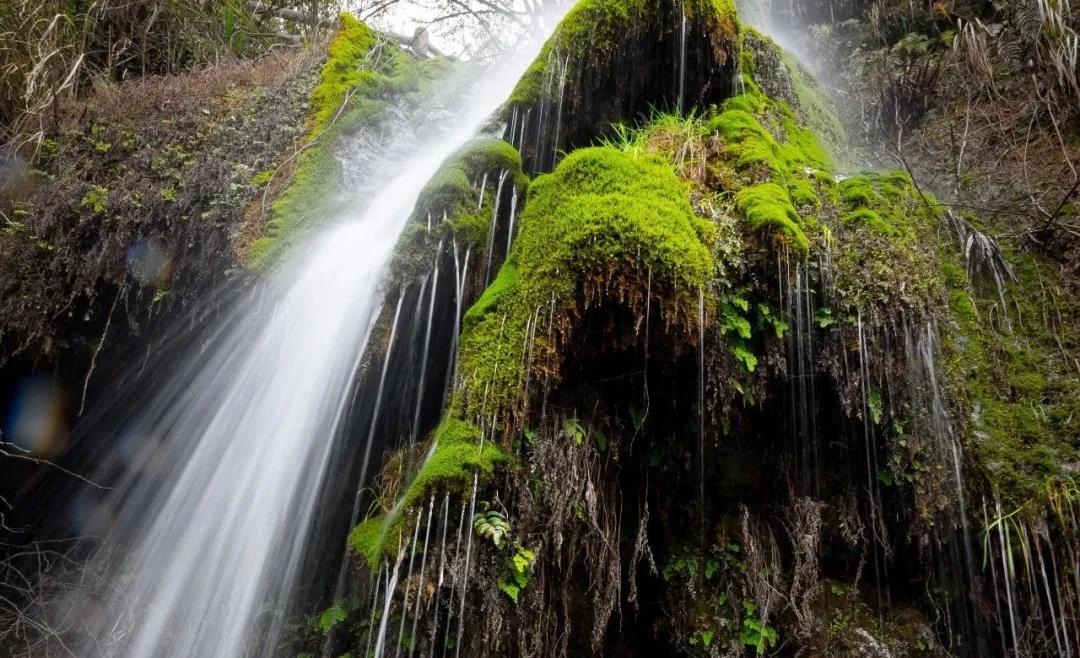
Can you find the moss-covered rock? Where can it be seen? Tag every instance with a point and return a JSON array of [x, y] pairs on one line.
[[1013, 370], [456, 455], [352, 91], [578, 86], [467, 202], [592, 231]]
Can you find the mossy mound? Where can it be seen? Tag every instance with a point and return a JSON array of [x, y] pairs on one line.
[[352, 91], [460, 204], [456, 455], [592, 230], [578, 86]]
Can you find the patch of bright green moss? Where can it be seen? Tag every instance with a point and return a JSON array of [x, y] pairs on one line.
[[449, 206], [768, 206], [352, 91], [454, 187], [506, 280], [459, 453], [879, 202], [594, 28]]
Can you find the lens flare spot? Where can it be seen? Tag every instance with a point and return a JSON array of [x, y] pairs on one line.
[[13, 172], [35, 420], [148, 263]]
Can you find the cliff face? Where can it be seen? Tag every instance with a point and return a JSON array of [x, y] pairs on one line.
[[725, 396], [712, 392]]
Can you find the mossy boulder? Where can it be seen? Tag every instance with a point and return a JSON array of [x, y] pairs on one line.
[[466, 202], [594, 230]]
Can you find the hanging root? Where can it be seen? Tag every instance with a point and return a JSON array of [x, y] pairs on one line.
[[763, 566], [641, 552], [803, 525], [572, 518]]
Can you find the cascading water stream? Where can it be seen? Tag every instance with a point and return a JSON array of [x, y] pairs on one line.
[[214, 524]]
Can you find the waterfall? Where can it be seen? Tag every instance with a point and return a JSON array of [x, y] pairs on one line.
[[212, 529]]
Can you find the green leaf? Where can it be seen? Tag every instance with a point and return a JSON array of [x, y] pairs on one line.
[[331, 617], [744, 356], [711, 567], [573, 429], [824, 317], [510, 589], [704, 638], [780, 327], [874, 401], [735, 323]]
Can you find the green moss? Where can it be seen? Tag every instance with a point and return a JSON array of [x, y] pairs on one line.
[[489, 301], [449, 206], [459, 453], [880, 202], [1015, 379], [802, 193], [593, 29], [351, 92], [782, 161], [768, 206], [815, 109], [453, 188], [870, 218], [603, 216]]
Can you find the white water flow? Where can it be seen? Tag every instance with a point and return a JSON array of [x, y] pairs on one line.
[[217, 532]]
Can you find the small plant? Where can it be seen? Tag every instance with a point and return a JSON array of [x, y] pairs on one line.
[[875, 404], [734, 319], [824, 317], [735, 325], [704, 638], [519, 572], [573, 429], [169, 194], [766, 317], [492, 524], [756, 633], [331, 617], [711, 568], [95, 199]]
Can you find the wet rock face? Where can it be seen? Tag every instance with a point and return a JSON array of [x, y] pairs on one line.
[[770, 72], [663, 57]]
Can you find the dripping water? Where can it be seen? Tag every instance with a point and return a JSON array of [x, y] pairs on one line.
[[408, 579], [442, 573], [427, 343], [513, 214], [681, 73], [468, 556], [494, 225], [701, 414], [391, 587], [420, 585]]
